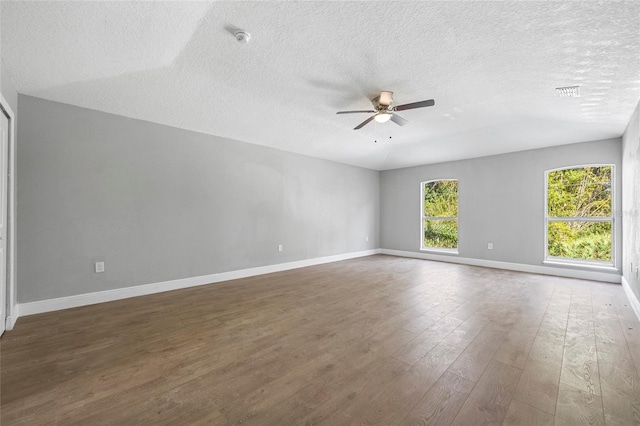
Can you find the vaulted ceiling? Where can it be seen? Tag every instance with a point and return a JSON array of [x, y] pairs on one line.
[[492, 68]]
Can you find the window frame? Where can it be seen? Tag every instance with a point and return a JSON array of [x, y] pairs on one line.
[[593, 219], [424, 218]]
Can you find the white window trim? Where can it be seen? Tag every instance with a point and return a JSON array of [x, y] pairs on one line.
[[591, 264], [423, 218]]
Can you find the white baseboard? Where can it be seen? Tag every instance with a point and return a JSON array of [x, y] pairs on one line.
[[520, 267], [41, 306], [10, 321], [633, 300]]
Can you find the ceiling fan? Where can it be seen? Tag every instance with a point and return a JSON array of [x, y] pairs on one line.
[[383, 111]]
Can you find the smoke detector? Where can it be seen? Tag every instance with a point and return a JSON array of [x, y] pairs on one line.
[[242, 36], [569, 91]]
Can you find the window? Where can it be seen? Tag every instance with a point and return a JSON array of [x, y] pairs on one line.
[[440, 215], [579, 215]]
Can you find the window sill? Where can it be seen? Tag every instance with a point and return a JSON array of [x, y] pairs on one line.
[[440, 251], [581, 265]]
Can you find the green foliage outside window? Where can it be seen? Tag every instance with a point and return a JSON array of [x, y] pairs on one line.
[[441, 233], [441, 198], [441, 201], [580, 193]]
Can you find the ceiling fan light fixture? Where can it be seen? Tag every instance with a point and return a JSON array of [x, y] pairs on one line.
[[383, 113], [382, 117]]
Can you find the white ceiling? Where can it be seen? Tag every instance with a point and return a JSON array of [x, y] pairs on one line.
[[492, 68]]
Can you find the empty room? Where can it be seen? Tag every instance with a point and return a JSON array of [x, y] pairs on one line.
[[320, 213]]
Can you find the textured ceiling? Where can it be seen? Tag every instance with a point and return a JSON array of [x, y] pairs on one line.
[[492, 68]]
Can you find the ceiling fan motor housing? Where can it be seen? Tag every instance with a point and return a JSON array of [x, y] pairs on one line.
[[383, 101]]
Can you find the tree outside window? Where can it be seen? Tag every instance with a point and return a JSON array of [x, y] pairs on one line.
[[440, 214], [580, 214]]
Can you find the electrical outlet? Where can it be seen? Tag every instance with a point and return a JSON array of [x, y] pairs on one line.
[[279, 247], [99, 267], [490, 246]]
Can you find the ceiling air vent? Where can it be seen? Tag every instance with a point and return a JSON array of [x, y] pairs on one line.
[[569, 91]]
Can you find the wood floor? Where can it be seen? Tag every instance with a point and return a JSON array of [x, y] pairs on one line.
[[377, 341]]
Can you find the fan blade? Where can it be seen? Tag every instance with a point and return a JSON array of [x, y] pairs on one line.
[[398, 120], [385, 98], [361, 125], [353, 112], [413, 105]]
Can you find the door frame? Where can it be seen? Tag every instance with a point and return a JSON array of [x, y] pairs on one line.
[[10, 297]]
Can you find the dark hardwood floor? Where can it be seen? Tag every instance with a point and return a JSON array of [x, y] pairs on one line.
[[377, 341]]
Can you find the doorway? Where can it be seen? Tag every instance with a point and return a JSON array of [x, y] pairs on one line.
[[7, 141]]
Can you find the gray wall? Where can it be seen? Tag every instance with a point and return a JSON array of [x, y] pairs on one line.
[[501, 200], [158, 203], [631, 201]]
